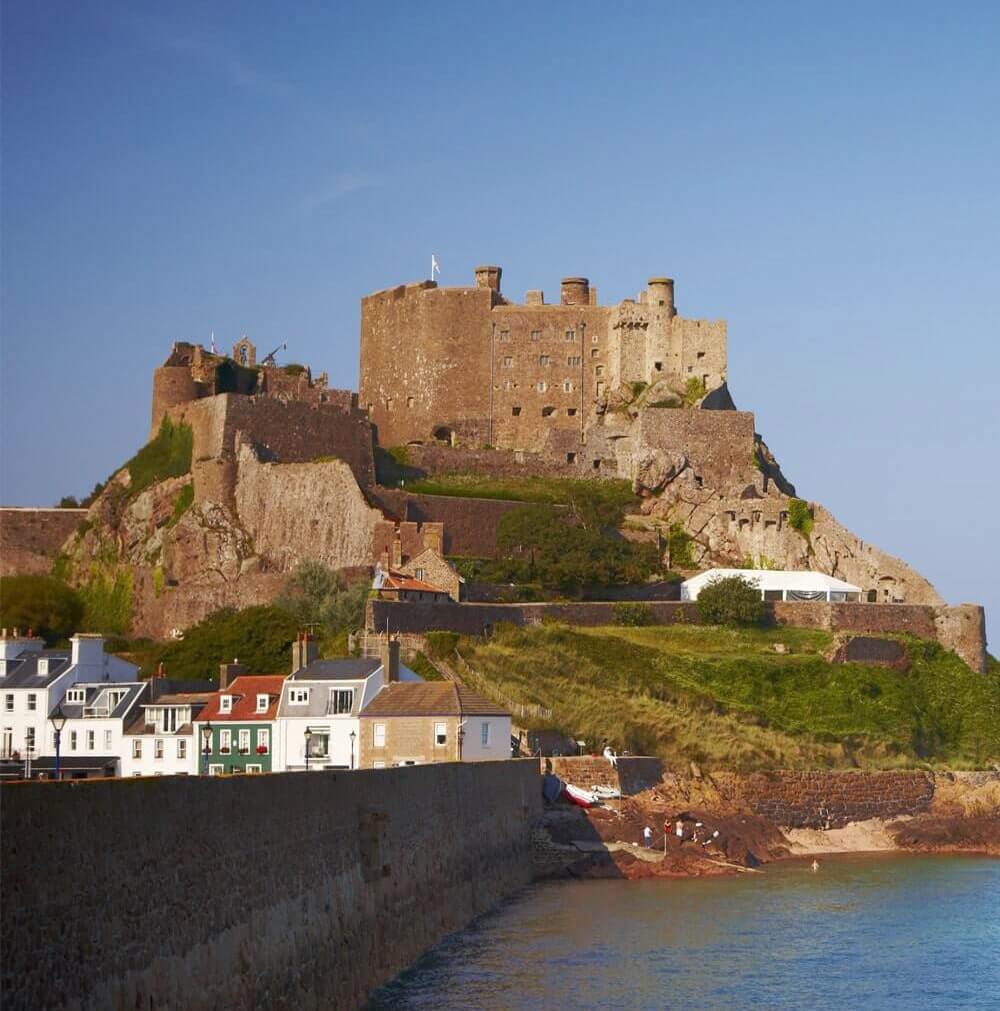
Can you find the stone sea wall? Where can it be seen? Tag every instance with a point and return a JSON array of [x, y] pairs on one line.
[[280, 891], [30, 539]]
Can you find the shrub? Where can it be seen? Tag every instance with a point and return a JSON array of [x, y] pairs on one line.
[[800, 517], [731, 601], [680, 545], [694, 391], [316, 595], [633, 615], [294, 369], [441, 644], [44, 604], [107, 600], [68, 502], [183, 502]]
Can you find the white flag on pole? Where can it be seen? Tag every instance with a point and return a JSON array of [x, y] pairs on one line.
[[213, 342], [435, 269]]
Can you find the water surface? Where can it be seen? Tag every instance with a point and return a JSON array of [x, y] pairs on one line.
[[866, 931]]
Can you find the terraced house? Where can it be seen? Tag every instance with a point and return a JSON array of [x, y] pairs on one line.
[[236, 729]]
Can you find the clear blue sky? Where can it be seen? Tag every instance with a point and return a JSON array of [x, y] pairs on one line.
[[824, 177]]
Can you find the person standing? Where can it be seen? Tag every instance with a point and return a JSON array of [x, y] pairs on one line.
[[647, 837]]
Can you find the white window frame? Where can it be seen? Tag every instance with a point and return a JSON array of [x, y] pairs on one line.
[[32, 702], [182, 747], [264, 737], [108, 740], [8, 702], [440, 730], [29, 739], [226, 741], [158, 748], [484, 734], [215, 770], [225, 703], [76, 696], [243, 735], [298, 696], [263, 701], [255, 769], [379, 763], [137, 748], [91, 740], [72, 740], [334, 706], [378, 735]]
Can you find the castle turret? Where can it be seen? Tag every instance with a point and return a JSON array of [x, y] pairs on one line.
[[489, 277], [172, 385], [660, 295], [574, 291]]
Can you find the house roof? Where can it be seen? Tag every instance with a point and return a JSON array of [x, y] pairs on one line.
[[94, 698], [352, 668], [435, 698], [245, 690], [393, 580], [772, 579], [26, 675]]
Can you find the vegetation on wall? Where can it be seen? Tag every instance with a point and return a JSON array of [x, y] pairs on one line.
[[731, 601], [724, 697], [800, 517], [166, 455], [44, 604], [107, 599], [694, 391], [633, 614], [680, 546], [182, 502]]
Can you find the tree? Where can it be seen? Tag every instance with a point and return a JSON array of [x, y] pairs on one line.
[[68, 502], [50, 608], [317, 595], [731, 601]]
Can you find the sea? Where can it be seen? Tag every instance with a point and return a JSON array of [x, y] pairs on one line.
[[863, 931]]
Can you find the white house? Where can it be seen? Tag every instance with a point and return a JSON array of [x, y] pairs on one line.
[[318, 715], [33, 683], [779, 584], [161, 741]]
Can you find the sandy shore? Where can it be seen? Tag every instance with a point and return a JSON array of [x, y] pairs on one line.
[[857, 837]]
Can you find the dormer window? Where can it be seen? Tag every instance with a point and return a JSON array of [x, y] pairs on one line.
[[226, 704], [263, 701], [76, 696], [298, 696], [43, 667]]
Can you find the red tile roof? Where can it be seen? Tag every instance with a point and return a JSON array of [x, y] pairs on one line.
[[399, 581], [244, 691], [430, 698]]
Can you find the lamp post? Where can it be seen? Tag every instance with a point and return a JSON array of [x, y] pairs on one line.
[[308, 736], [353, 738], [206, 742], [461, 738], [58, 721]]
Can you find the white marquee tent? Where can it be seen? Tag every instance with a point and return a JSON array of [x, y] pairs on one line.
[[779, 584]]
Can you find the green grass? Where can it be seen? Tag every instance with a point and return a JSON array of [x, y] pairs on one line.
[[551, 490], [167, 454], [182, 502], [421, 665], [724, 697]]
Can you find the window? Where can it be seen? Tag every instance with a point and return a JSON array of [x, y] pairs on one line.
[[571, 457], [409, 401], [76, 696], [541, 386], [536, 335], [548, 412], [505, 336], [379, 763], [515, 412], [701, 354], [571, 411], [567, 386], [137, 749], [263, 701], [29, 739], [31, 702], [419, 573], [226, 704], [244, 741], [8, 702], [215, 770], [378, 735], [7, 745], [485, 735], [508, 362], [440, 735], [168, 720], [107, 740], [91, 740], [319, 744], [594, 353], [573, 360], [225, 741], [158, 748], [342, 699], [658, 366], [182, 748], [254, 769], [599, 371], [570, 335], [509, 384], [593, 338], [263, 740], [543, 360], [298, 696]]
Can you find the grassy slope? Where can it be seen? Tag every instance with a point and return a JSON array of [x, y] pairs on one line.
[[556, 491], [725, 698]]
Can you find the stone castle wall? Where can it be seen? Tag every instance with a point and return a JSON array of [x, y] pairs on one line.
[[287, 890], [630, 775], [30, 539]]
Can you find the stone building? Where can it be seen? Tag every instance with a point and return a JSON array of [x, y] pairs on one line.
[[468, 365]]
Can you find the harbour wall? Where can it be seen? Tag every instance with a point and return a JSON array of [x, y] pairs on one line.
[[288, 890]]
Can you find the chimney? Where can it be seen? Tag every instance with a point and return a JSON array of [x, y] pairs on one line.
[[574, 291], [305, 649], [397, 550], [230, 671], [389, 651], [489, 277]]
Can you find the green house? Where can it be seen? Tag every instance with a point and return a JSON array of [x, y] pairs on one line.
[[235, 732]]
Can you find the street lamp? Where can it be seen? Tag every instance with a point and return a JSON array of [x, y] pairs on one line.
[[206, 741], [308, 737], [353, 738], [58, 721]]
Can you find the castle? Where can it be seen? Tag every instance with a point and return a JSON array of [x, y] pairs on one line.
[[468, 366]]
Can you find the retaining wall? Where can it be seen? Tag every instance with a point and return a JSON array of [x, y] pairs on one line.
[[30, 539], [291, 890], [630, 775]]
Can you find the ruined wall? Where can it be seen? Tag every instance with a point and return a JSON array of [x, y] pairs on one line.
[[295, 511], [548, 459], [630, 775], [425, 355], [30, 539], [827, 799], [346, 881]]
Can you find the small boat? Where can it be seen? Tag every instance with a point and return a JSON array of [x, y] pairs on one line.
[[606, 792], [583, 798]]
